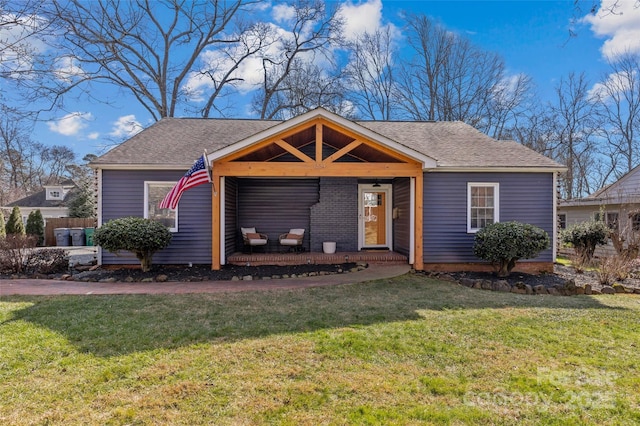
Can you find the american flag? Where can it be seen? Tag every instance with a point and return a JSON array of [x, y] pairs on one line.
[[197, 175]]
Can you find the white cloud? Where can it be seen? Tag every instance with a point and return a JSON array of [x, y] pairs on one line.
[[619, 22], [361, 17], [283, 12], [18, 45], [71, 124], [616, 83], [67, 68], [93, 136], [125, 127]]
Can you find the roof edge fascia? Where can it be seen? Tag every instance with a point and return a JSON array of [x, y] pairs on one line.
[[114, 166], [425, 160], [446, 169]]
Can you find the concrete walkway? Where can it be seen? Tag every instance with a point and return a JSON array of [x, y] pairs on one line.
[[57, 287]]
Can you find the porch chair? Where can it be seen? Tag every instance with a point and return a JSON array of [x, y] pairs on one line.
[[252, 239], [293, 239]]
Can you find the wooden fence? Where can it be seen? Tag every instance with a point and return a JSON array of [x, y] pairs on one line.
[[64, 222]]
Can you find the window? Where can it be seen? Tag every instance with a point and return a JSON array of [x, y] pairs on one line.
[[609, 218], [635, 221], [562, 221], [482, 205], [54, 194], [154, 192]]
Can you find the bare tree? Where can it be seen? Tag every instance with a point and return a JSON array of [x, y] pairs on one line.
[[312, 31], [421, 79], [575, 123], [26, 165], [370, 74], [510, 102], [448, 78], [619, 96], [146, 48]]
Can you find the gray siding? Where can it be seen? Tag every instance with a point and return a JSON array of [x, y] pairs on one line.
[[402, 225], [123, 195], [273, 206], [335, 216], [525, 197], [231, 216]]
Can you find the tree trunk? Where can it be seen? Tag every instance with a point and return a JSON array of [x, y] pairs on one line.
[[145, 259]]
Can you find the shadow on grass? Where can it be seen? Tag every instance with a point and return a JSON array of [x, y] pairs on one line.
[[120, 324]]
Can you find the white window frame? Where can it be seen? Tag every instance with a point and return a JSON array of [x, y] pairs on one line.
[[174, 228], [496, 203], [54, 194]]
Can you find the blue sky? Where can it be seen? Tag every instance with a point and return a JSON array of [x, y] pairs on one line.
[[531, 36]]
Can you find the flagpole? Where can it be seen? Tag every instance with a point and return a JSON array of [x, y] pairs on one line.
[[210, 172]]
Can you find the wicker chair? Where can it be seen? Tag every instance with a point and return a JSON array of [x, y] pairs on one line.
[[292, 239], [252, 239]]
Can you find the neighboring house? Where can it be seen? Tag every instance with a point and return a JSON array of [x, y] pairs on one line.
[[52, 201], [617, 204], [433, 185]]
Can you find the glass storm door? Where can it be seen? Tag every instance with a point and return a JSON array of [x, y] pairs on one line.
[[375, 217]]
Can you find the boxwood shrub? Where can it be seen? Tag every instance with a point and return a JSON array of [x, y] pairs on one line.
[[504, 243]]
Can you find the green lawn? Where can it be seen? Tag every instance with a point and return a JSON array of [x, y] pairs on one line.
[[405, 351]]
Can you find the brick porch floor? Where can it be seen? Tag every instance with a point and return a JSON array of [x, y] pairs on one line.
[[316, 258]]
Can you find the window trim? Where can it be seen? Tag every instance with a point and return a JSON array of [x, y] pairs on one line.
[[496, 203], [146, 200]]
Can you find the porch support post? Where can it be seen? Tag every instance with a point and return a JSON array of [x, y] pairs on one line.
[[418, 263], [215, 222]]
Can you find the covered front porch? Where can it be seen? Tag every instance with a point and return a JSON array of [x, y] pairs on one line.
[[318, 172]]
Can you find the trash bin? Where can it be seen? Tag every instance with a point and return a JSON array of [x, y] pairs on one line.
[[88, 233], [62, 236], [77, 236]]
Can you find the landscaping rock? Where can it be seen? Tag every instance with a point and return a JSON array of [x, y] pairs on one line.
[[554, 291], [162, 278], [607, 289], [477, 284], [619, 288], [540, 289], [487, 285], [247, 278], [520, 288], [579, 290], [146, 280], [588, 289], [502, 285], [107, 280], [467, 282]]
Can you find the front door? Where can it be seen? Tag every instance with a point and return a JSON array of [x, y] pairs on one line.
[[374, 216]]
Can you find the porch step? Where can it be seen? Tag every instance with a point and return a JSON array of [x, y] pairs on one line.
[[284, 259]]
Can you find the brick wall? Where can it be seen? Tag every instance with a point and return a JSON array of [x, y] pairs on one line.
[[335, 216]]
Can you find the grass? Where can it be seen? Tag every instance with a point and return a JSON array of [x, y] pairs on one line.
[[404, 351]]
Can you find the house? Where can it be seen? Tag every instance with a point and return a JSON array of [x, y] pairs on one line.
[[421, 189], [52, 201], [618, 205]]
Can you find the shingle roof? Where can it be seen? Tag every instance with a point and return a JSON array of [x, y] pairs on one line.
[[39, 199], [176, 142]]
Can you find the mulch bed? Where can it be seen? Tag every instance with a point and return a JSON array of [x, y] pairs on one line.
[[204, 272]]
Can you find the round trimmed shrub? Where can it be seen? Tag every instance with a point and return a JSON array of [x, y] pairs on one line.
[[504, 243], [585, 237], [142, 237]]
